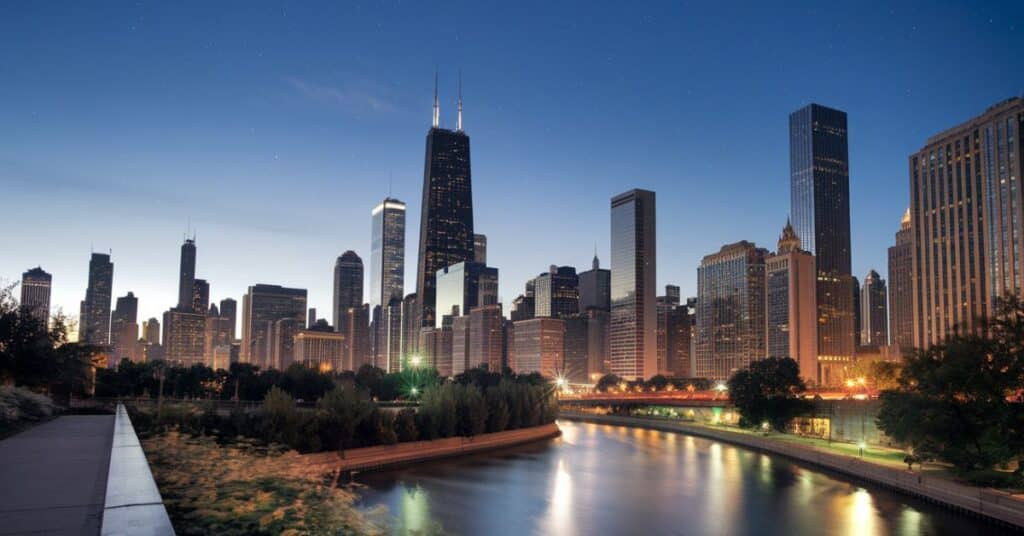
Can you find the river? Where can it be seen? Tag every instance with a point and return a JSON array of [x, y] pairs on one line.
[[600, 479]]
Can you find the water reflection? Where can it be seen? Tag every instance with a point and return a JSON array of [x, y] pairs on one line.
[[613, 480]]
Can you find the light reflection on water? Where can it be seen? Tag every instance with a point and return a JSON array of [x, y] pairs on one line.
[[613, 480]]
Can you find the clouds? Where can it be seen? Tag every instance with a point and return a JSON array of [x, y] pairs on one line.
[[357, 95]]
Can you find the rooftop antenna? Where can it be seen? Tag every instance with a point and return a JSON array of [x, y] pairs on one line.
[[437, 106], [458, 123]]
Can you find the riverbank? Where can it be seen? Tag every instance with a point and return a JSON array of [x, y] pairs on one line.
[[991, 504], [388, 456]]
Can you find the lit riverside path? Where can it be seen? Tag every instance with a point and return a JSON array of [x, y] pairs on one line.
[[53, 477]]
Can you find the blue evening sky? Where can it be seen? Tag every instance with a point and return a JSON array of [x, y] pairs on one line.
[[276, 127]]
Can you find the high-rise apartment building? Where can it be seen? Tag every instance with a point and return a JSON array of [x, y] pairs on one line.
[[634, 322], [485, 337], [557, 292], [901, 297], [229, 310], [446, 223], [35, 294], [94, 316], [460, 344], [820, 207], [730, 310], [184, 337], [595, 288], [463, 286], [874, 320], [263, 305], [966, 223], [791, 309]]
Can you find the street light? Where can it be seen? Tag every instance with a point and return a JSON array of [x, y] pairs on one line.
[[414, 391], [862, 446], [415, 360]]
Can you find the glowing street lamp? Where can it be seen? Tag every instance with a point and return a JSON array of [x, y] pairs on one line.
[[415, 360]]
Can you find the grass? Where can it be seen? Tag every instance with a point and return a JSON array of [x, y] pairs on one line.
[[245, 488]]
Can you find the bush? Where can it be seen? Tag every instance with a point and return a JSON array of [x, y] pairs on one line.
[[405, 426], [497, 410], [17, 404], [471, 409], [280, 418]]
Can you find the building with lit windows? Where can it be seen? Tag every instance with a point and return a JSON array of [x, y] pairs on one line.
[[540, 346], [35, 293], [901, 298], [791, 306], [634, 321], [556, 292]]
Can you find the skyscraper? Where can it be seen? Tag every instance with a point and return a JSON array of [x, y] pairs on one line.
[[820, 207], [187, 275], [595, 287], [901, 298], [94, 317], [124, 329], [539, 346], [791, 306], [966, 223], [151, 331], [35, 294], [348, 286], [874, 322], [410, 329], [557, 292], [463, 286], [669, 317], [446, 223], [730, 310], [263, 305], [392, 336], [229, 310], [480, 248], [485, 337], [200, 296], [387, 253], [634, 322]]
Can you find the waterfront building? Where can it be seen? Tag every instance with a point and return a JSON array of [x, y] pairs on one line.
[[791, 306], [436, 349], [557, 292], [35, 294], [820, 208], [901, 298], [730, 310], [540, 346], [94, 315], [874, 326], [460, 344], [446, 223], [665, 306], [574, 348], [261, 306], [634, 323], [598, 342], [966, 223]]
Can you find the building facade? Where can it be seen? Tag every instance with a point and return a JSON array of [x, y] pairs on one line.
[[730, 310], [263, 305], [540, 346], [634, 323], [595, 288], [557, 292], [446, 223], [901, 298], [485, 337], [480, 248], [94, 315], [791, 312], [124, 330], [36, 285], [324, 350], [966, 223], [463, 286], [820, 208], [874, 319]]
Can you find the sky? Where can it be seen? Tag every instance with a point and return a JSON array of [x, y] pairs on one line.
[[272, 128]]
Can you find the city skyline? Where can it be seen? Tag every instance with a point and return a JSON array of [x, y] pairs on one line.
[[144, 238]]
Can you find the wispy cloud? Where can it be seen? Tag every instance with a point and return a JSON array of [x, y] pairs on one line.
[[355, 96]]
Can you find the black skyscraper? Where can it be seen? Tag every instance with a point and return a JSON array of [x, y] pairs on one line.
[[446, 223], [820, 204], [94, 320], [187, 275]]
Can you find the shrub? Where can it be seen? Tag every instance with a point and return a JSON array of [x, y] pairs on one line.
[[471, 409], [17, 404], [280, 418], [405, 425], [497, 410]]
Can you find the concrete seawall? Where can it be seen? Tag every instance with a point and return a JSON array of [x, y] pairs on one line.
[[385, 456], [988, 503]]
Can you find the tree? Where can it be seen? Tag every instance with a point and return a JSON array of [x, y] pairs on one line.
[[659, 382], [955, 400], [768, 391], [341, 411], [607, 382]]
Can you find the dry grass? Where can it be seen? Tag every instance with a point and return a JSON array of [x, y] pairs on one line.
[[245, 488]]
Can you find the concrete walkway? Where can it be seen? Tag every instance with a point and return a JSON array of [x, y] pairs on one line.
[[53, 477]]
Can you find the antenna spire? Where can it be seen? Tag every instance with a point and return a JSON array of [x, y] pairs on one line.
[[458, 124], [437, 106]]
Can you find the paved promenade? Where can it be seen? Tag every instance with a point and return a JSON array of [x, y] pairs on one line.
[[53, 477]]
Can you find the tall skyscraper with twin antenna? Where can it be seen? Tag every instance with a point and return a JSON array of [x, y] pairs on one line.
[[446, 222]]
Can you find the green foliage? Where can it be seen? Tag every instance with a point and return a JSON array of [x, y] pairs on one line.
[[959, 401], [768, 391], [405, 425], [280, 418], [607, 383], [340, 412], [471, 408], [498, 414]]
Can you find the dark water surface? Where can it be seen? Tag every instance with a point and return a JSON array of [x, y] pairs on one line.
[[599, 479]]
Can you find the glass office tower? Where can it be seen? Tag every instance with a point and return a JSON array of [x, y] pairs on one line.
[[634, 322]]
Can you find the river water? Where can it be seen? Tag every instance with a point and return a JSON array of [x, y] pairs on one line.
[[600, 479]]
